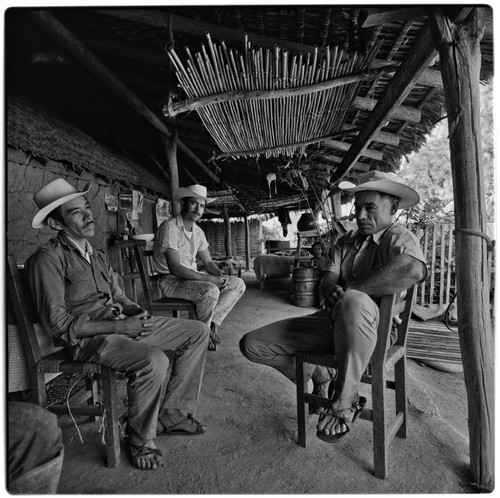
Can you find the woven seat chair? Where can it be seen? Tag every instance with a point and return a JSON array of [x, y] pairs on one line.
[[96, 402], [384, 358]]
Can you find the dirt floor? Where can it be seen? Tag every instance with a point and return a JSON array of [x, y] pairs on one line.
[[250, 446]]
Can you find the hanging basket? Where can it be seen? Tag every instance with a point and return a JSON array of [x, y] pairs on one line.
[[264, 101]]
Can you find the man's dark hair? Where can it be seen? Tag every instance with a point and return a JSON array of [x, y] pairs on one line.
[[56, 213]]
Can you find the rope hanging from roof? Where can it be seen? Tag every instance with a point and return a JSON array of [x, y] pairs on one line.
[[264, 101]]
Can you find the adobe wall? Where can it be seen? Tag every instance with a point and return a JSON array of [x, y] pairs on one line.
[[25, 174]]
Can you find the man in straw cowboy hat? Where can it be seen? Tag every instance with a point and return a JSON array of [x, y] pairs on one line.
[[380, 257], [82, 306], [178, 243]]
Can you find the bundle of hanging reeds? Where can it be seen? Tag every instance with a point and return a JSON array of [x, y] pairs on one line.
[[264, 101]]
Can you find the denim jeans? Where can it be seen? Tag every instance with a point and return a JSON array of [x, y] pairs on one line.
[[211, 303]]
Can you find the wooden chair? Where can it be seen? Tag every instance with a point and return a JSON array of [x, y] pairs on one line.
[[384, 358], [134, 262], [98, 403]]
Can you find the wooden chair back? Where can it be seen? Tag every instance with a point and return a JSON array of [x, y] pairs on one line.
[[137, 265], [395, 311], [58, 361]]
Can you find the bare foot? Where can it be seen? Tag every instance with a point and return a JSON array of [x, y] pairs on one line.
[[329, 424]]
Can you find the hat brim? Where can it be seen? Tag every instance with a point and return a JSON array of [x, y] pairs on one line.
[[407, 196], [39, 221], [183, 192]]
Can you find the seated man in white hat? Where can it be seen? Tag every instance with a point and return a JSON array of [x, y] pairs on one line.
[[379, 257], [82, 306], [178, 242]]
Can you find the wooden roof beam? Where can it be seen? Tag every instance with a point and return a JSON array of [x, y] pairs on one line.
[[418, 58], [383, 15], [157, 19], [58, 31], [383, 137], [344, 146], [401, 113]]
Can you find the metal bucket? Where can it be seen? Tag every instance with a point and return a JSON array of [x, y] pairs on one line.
[[305, 287]]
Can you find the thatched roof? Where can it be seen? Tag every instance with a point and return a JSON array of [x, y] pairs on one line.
[[108, 73], [38, 131]]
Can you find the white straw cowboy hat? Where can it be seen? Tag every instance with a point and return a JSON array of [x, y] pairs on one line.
[[197, 191], [51, 196], [386, 183]]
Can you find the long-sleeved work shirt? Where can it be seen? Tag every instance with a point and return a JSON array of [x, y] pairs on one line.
[[69, 291]]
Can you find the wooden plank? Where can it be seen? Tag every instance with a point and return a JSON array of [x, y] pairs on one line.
[[344, 146], [425, 250], [383, 15], [433, 263], [402, 113], [442, 295]]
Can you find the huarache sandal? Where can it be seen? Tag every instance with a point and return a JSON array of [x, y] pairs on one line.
[[137, 452], [187, 427], [341, 415], [214, 340]]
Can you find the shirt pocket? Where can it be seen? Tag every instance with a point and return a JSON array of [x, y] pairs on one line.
[[77, 276]]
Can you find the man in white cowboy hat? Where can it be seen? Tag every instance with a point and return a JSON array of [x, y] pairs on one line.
[[178, 242], [82, 306], [380, 257]]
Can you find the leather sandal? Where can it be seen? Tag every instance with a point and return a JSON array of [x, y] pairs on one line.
[[341, 415], [214, 339], [319, 391], [186, 427], [136, 452]]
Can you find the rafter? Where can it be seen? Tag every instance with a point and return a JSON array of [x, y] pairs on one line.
[[416, 61], [232, 36], [56, 29]]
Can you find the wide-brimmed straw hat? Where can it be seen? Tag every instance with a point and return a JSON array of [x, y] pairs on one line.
[[197, 191], [51, 196], [386, 183]]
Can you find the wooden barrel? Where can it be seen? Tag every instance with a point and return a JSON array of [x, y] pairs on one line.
[[305, 287]]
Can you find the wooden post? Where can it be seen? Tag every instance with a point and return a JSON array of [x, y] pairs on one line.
[[171, 150], [247, 241], [227, 233], [460, 60]]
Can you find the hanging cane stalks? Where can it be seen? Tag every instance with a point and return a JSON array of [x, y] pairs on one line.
[[265, 101]]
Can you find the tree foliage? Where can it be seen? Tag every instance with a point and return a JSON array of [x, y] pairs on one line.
[[429, 170]]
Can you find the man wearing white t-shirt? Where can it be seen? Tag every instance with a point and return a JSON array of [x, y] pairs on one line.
[[178, 242]]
